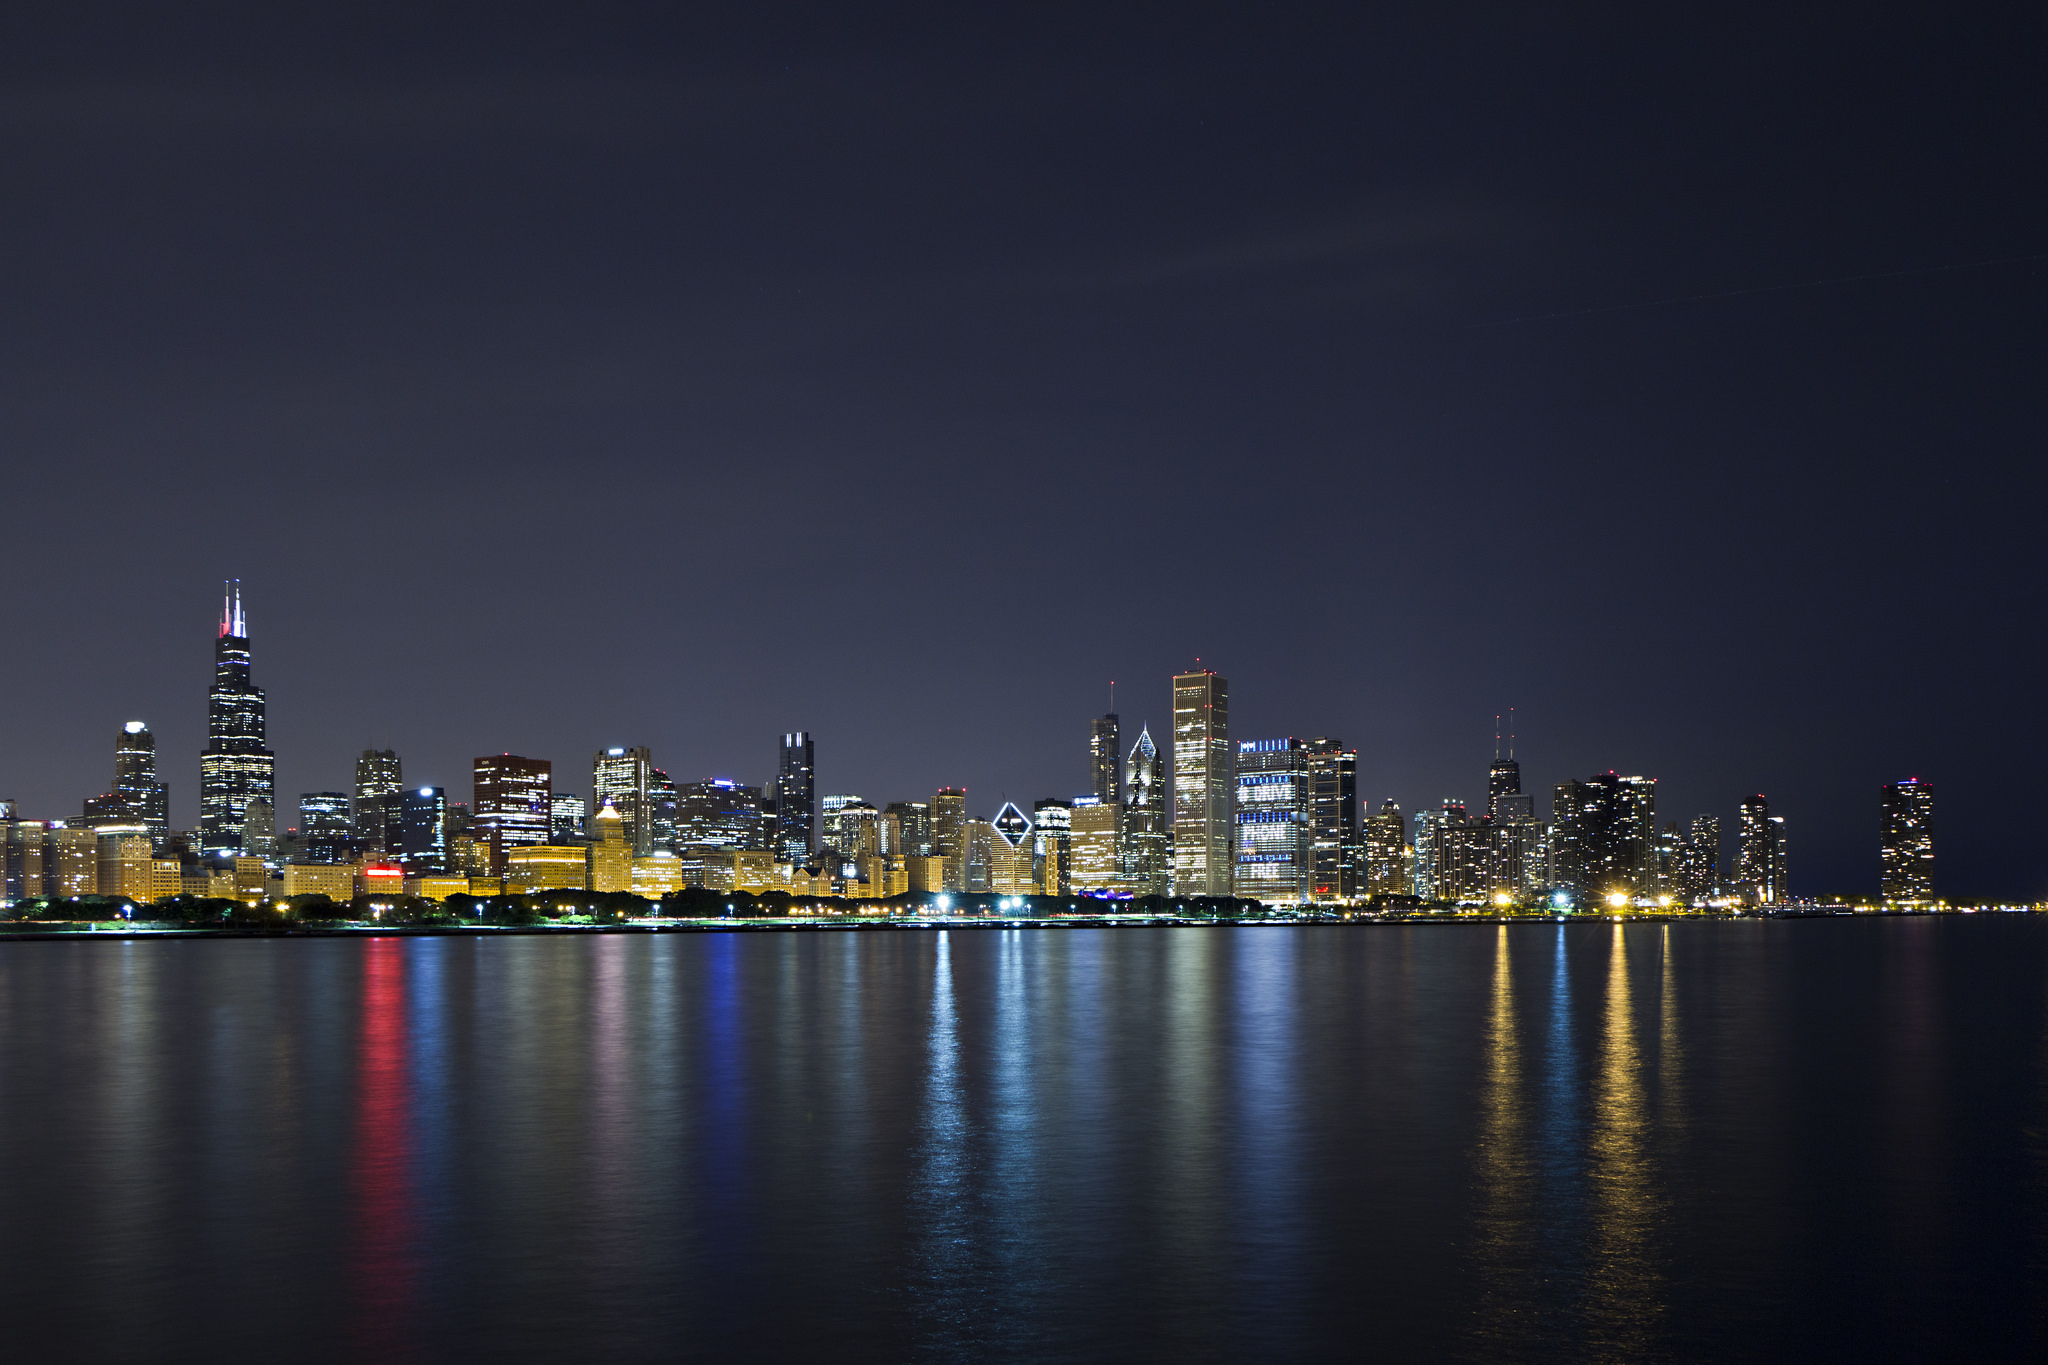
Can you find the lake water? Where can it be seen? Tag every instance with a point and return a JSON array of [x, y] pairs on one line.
[[1780, 1140]]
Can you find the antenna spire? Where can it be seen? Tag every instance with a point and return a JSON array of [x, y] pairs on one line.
[[1511, 732], [1496, 737]]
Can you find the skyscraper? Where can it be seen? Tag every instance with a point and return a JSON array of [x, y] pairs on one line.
[[623, 779], [1908, 846], [1760, 853], [1504, 778], [796, 801], [423, 830], [1105, 760], [135, 780], [949, 839], [1052, 829], [326, 831], [1593, 855], [1702, 874], [1145, 852], [1386, 846], [512, 801], [913, 828], [236, 767], [1095, 847], [1275, 836], [566, 812], [1338, 855], [379, 775], [1204, 785]]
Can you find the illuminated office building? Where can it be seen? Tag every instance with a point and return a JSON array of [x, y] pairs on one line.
[[1337, 855], [1011, 854], [949, 834], [1275, 834], [512, 804], [1504, 778], [849, 827], [720, 814], [1094, 843], [237, 767], [1386, 846], [623, 778], [1052, 828], [259, 829], [1146, 854], [423, 830], [1105, 759], [611, 851], [1603, 838], [26, 841], [1908, 844], [913, 825], [326, 828], [1450, 854], [1204, 785], [566, 812], [136, 798], [125, 865], [1638, 798], [796, 798], [379, 775], [662, 802]]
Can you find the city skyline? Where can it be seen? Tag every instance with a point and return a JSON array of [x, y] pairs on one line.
[[1291, 815]]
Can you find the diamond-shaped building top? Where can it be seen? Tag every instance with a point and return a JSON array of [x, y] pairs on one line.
[[1012, 824]]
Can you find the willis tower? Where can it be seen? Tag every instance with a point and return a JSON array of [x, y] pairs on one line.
[[236, 768]]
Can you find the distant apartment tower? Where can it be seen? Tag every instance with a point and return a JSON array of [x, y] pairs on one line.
[[1105, 760], [1760, 853], [1594, 836], [796, 800], [1908, 848], [1337, 855], [1204, 785], [237, 767], [512, 804], [379, 775], [1275, 836], [622, 779], [1701, 872], [1145, 849]]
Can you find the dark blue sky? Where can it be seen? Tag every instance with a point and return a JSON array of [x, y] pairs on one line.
[[907, 376]]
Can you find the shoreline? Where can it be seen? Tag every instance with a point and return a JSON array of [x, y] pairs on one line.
[[90, 930]]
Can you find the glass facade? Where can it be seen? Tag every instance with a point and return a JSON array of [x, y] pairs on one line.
[[623, 779], [379, 776], [796, 801], [1105, 759], [1146, 855], [326, 828], [1275, 830], [512, 803]]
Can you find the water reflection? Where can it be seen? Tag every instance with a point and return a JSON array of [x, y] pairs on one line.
[[384, 1264], [1623, 1302], [940, 1190], [1504, 1241]]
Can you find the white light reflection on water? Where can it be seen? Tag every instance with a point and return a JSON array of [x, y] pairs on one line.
[[944, 1288]]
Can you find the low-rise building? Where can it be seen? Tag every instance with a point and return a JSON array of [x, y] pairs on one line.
[[336, 881], [546, 867]]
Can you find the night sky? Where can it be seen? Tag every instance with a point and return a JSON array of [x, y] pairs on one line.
[[676, 377]]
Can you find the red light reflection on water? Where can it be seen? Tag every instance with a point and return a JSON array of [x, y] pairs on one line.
[[383, 1226]]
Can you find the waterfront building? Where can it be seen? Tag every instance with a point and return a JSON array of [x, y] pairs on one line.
[[1760, 853], [1275, 834], [336, 881], [1145, 853], [251, 878], [611, 851], [1095, 838], [926, 875], [326, 828], [379, 775], [423, 830], [547, 867], [436, 886], [166, 878], [72, 861], [657, 874], [237, 766], [1516, 848], [1450, 854], [1204, 785], [1597, 844], [1011, 854], [1701, 878], [1105, 759], [26, 841], [978, 840], [565, 819], [1638, 809], [719, 813], [125, 863], [1386, 842], [1052, 829], [622, 779], [470, 856], [1337, 853], [1907, 845], [512, 805], [796, 798]]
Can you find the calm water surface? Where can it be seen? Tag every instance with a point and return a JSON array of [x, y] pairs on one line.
[[1789, 1140]]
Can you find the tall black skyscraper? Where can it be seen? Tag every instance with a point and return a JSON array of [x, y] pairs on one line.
[[236, 768], [137, 798], [796, 799], [1504, 778], [1105, 760]]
